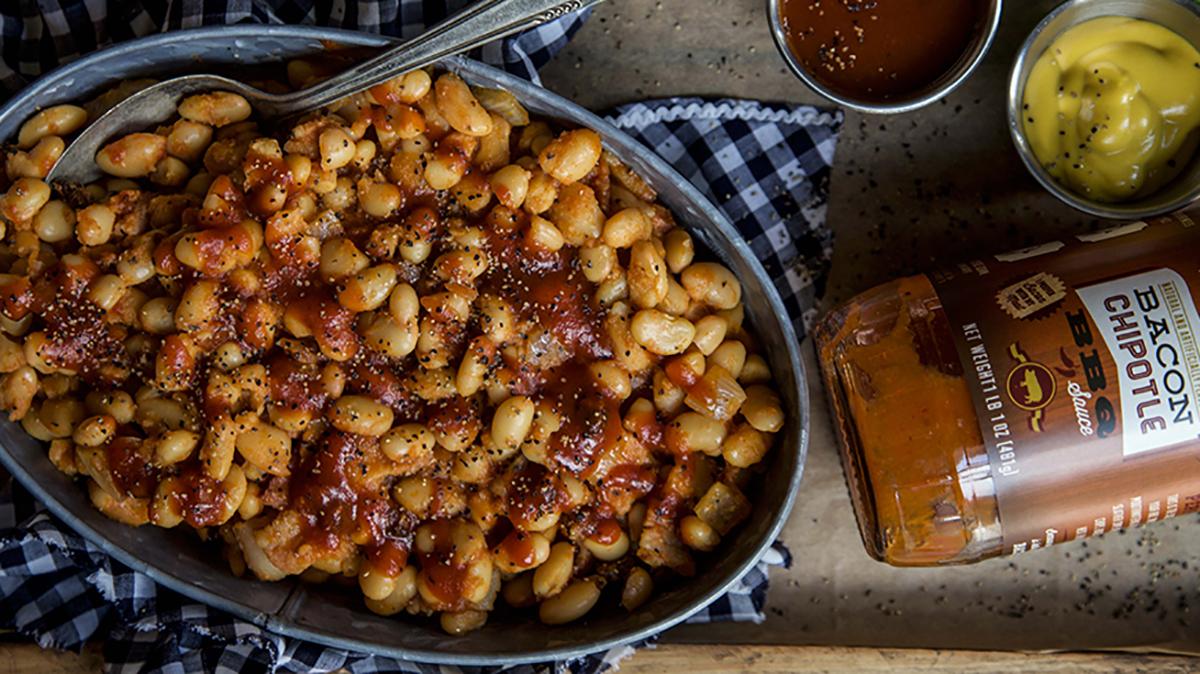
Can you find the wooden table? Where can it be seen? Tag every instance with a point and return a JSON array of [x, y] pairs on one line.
[[907, 191], [740, 659]]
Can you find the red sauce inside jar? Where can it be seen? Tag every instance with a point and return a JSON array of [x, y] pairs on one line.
[[880, 50]]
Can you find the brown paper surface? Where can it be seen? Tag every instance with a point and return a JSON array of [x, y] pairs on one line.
[[1137, 589]]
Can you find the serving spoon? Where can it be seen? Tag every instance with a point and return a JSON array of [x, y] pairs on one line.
[[478, 24]]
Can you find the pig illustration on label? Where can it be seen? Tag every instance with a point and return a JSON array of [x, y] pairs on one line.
[[1030, 385]]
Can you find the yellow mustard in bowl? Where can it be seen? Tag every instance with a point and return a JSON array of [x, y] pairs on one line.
[[1112, 108]]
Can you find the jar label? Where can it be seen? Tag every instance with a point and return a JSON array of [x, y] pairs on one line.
[[1148, 323], [1084, 369]]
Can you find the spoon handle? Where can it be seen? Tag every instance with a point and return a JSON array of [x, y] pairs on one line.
[[478, 24]]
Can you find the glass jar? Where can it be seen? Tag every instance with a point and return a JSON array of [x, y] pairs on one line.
[[1054, 390], [911, 447]]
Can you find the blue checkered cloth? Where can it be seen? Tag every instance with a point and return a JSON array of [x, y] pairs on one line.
[[37, 35], [767, 167]]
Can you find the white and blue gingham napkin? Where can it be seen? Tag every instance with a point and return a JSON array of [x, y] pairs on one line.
[[37, 35], [767, 167]]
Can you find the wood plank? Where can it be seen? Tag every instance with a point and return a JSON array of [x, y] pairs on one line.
[[26, 658], [736, 659]]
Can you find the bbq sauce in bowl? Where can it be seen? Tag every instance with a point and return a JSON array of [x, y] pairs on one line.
[[881, 50]]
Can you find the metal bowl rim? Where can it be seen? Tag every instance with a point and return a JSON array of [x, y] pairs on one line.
[[960, 75], [1016, 89], [26, 100]]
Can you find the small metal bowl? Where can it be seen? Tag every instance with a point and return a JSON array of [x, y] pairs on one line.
[[335, 615], [920, 98], [1181, 16]]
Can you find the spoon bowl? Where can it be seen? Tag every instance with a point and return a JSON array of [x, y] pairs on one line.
[[145, 109]]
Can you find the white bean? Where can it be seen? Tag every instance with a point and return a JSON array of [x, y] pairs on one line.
[[361, 415], [571, 156], [638, 586], [460, 107], [133, 156], [512, 421], [59, 120], [571, 604], [662, 333], [337, 148], [55, 223], [762, 409], [712, 284], [552, 576], [218, 108]]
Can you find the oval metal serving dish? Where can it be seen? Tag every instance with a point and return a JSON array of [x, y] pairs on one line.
[[336, 615]]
